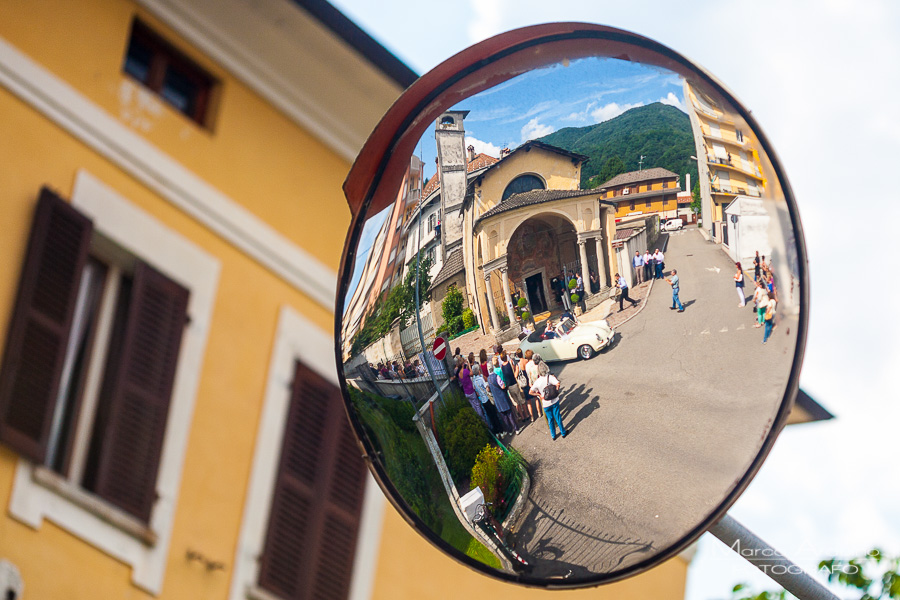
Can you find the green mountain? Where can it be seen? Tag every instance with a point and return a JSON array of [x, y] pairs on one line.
[[659, 132]]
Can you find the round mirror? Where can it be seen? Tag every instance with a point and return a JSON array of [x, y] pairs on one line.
[[572, 307]]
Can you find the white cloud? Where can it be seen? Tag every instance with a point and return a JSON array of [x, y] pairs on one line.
[[533, 129], [489, 19], [611, 111], [486, 147], [672, 100]]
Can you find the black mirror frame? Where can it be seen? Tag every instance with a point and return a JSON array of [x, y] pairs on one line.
[[475, 69]]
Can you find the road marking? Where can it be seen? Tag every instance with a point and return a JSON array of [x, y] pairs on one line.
[[704, 332], [723, 330], [716, 269], [740, 327]]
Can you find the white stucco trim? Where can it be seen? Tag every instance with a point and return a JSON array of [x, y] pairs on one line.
[[296, 339], [90, 124], [174, 255]]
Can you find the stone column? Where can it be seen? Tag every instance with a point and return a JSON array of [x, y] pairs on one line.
[[507, 297], [585, 268], [602, 261], [495, 325]]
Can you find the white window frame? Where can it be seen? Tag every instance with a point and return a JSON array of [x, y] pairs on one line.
[[295, 339], [39, 493]]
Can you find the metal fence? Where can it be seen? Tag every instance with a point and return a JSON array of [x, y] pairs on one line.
[[409, 337]]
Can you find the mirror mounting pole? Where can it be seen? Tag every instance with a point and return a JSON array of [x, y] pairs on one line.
[[418, 308], [769, 560]]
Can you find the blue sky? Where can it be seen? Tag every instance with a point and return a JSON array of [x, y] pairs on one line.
[[821, 78], [580, 93]]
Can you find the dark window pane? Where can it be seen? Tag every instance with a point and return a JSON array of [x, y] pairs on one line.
[[179, 91], [521, 184], [137, 61]]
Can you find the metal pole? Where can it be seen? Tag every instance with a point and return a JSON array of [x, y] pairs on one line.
[[418, 320], [768, 560]]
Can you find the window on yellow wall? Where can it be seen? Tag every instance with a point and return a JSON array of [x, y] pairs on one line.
[[90, 361], [180, 82], [648, 202]]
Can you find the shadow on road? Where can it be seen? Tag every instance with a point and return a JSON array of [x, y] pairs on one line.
[[558, 547]]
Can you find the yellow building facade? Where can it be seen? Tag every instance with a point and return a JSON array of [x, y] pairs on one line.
[[643, 192], [218, 183], [727, 158]]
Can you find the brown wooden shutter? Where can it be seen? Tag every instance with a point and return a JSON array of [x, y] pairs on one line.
[[138, 387], [316, 506], [40, 324]]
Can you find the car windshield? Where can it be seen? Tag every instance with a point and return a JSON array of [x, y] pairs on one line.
[[566, 326]]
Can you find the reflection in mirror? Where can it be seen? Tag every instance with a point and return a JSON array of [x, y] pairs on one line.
[[607, 253]]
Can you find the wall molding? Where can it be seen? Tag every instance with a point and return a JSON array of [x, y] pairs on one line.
[[90, 124]]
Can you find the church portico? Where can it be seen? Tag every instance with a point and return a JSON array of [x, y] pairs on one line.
[[535, 247]]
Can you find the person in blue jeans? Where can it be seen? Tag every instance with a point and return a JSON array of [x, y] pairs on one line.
[[770, 319], [674, 282], [550, 405]]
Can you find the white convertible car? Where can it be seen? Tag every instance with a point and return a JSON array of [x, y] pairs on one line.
[[568, 340]]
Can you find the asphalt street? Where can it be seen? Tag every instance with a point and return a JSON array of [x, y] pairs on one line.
[[661, 425]]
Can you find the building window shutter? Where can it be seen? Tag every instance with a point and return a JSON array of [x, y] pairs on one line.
[[134, 404], [316, 505], [41, 321]]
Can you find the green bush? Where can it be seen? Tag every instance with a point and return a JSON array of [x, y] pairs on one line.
[[572, 284], [468, 318], [455, 325], [400, 411], [452, 309], [526, 315], [454, 401], [466, 436], [509, 464], [522, 303], [486, 473], [575, 298]]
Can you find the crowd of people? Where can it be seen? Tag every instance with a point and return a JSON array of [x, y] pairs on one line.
[[510, 391], [765, 294], [648, 266], [396, 370]]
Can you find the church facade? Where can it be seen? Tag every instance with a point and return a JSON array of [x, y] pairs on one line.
[[522, 225]]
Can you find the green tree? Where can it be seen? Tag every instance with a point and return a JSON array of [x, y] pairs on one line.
[[612, 167], [407, 297], [452, 309], [695, 194]]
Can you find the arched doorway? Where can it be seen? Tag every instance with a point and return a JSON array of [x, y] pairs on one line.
[[541, 250]]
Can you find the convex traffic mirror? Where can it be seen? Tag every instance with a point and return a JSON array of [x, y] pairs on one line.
[[572, 305]]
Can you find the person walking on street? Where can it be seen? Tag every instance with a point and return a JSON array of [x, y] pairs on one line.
[[676, 288], [659, 263], [739, 285], [770, 319], [638, 262], [756, 267], [547, 387], [648, 265], [761, 298], [623, 296]]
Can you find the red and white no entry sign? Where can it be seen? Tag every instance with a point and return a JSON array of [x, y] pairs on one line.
[[439, 348]]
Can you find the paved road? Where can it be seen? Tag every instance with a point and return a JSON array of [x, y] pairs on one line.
[[660, 425]]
